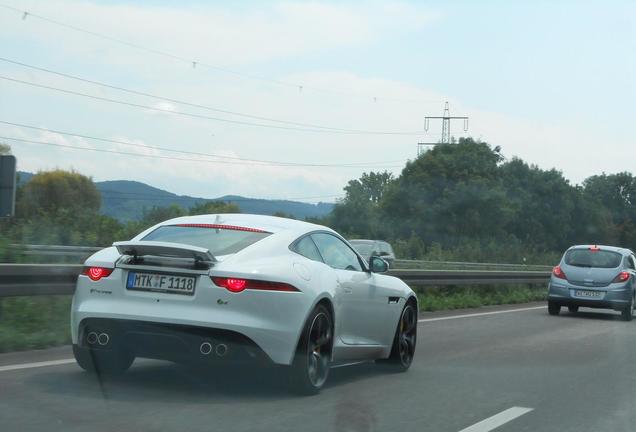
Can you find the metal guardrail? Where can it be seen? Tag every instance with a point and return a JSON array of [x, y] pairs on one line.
[[470, 277], [53, 279], [452, 265], [37, 279], [54, 250]]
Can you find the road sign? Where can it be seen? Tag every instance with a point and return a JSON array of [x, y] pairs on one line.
[[7, 185]]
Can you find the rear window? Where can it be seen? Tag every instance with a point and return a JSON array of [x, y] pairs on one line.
[[385, 247], [589, 258], [362, 248], [218, 241]]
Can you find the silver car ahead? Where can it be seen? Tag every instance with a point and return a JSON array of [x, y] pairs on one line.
[[594, 276], [371, 248]]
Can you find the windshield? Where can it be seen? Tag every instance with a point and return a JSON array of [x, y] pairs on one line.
[[593, 258], [217, 241], [469, 144]]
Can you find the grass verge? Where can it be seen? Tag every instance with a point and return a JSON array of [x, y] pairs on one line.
[[470, 296], [34, 322]]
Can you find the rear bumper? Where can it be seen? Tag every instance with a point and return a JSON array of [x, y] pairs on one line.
[[174, 342], [614, 296], [270, 320]]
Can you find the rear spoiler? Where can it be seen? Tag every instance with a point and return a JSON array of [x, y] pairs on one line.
[[164, 249]]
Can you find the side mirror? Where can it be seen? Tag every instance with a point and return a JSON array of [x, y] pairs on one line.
[[378, 265]]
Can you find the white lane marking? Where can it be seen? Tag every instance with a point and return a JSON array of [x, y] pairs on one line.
[[497, 420], [36, 364], [480, 314]]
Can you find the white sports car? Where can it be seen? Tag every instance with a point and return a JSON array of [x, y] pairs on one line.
[[239, 287]]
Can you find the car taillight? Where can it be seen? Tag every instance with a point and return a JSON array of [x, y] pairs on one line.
[[237, 285], [556, 271], [622, 277], [96, 273]]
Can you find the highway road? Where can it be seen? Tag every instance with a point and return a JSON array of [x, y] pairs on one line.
[[507, 368]]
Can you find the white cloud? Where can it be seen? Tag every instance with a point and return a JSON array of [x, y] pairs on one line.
[[163, 108], [213, 34], [242, 39]]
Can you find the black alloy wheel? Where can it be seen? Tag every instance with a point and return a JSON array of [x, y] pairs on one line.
[[310, 368], [403, 349], [628, 313], [553, 308]]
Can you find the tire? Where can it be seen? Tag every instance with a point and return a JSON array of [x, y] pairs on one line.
[[628, 313], [404, 341], [310, 368], [573, 309], [553, 308], [113, 362]]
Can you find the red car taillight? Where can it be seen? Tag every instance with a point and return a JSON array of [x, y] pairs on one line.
[[96, 273], [237, 285], [556, 271], [622, 277]]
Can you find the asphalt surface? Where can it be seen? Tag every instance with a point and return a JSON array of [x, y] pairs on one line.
[[574, 372]]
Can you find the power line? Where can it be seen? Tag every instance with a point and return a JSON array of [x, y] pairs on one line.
[[196, 63], [151, 196], [199, 116], [181, 102], [256, 161], [144, 155]]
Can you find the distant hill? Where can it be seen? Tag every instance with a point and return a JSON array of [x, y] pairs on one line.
[[24, 177], [126, 200]]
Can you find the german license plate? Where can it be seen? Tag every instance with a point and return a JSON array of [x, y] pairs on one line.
[[164, 283], [589, 294]]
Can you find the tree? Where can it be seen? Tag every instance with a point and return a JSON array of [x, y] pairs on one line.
[[61, 207], [543, 204], [284, 215], [614, 196], [5, 149], [214, 207], [357, 214], [57, 193], [369, 187], [448, 194]]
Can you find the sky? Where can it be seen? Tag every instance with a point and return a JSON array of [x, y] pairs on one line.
[[292, 99]]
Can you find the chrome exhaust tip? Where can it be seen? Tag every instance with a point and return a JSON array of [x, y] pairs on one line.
[[91, 338], [221, 350], [103, 339], [205, 348]]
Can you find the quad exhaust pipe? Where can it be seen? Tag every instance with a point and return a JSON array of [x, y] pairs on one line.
[[103, 339], [220, 350], [94, 338], [206, 348], [91, 338]]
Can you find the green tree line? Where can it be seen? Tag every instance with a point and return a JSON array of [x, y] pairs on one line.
[[462, 201], [465, 201]]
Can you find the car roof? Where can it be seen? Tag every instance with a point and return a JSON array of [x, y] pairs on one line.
[[272, 224], [622, 251]]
